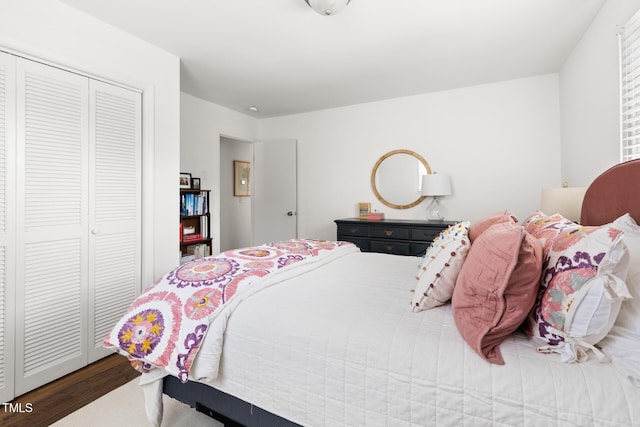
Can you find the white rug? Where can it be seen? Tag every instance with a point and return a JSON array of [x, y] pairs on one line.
[[124, 407]]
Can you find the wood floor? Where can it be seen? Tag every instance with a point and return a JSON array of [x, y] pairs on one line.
[[58, 399]]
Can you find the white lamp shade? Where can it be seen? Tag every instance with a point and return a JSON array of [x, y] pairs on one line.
[[436, 184], [327, 7], [566, 201]]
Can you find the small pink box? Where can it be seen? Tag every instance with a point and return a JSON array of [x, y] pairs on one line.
[[375, 216]]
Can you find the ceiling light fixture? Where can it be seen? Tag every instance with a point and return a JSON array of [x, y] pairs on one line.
[[253, 108], [327, 7]]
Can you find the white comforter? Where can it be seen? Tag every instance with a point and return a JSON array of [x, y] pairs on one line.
[[340, 345]]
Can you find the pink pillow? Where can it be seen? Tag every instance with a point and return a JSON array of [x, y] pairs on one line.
[[497, 218], [497, 287]]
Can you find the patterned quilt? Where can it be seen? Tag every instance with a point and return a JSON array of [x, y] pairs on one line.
[[165, 326]]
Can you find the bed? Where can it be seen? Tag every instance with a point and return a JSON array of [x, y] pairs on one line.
[[337, 340]]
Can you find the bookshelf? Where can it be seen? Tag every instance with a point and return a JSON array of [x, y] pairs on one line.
[[195, 225]]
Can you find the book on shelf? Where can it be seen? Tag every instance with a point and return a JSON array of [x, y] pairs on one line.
[[204, 227], [191, 237], [199, 251], [194, 204]]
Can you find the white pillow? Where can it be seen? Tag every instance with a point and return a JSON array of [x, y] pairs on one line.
[[629, 316], [439, 270], [622, 344], [582, 285]]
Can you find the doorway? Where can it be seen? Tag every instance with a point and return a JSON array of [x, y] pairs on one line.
[[269, 213], [235, 212]]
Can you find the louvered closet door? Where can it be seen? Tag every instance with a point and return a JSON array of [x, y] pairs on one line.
[[52, 224], [114, 267], [7, 225]]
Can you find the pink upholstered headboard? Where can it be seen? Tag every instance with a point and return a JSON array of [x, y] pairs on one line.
[[612, 194]]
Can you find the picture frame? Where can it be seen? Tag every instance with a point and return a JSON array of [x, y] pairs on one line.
[[241, 178], [185, 180], [195, 183], [364, 208]]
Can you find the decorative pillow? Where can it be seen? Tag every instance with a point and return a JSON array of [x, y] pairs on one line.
[[546, 227], [582, 285], [439, 270], [479, 227], [629, 317], [497, 287], [460, 229], [622, 344]]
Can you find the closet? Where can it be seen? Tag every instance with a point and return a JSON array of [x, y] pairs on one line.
[[70, 183]]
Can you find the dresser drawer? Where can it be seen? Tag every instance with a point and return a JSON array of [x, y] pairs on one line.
[[390, 247], [354, 230], [363, 244], [419, 249], [390, 233], [424, 234]]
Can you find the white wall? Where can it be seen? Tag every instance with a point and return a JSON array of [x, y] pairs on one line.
[[55, 32], [589, 97], [235, 212], [499, 142], [202, 125]]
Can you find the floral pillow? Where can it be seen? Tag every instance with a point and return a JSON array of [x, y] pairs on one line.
[[629, 317], [439, 270], [547, 227], [582, 285], [622, 344]]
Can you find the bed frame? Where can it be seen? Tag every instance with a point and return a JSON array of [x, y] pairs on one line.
[[612, 194], [221, 406]]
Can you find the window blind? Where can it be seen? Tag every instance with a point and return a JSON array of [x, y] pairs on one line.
[[629, 39]]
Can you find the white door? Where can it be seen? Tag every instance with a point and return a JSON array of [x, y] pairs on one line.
[[70, 224], [7, 225], [114, 208], [275, 191], [52, 248]]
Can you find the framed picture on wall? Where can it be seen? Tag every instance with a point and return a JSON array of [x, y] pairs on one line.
[[185, 180], [241, 178], [195, 183]]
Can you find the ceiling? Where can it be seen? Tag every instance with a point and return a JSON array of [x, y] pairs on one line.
[[284, 58]]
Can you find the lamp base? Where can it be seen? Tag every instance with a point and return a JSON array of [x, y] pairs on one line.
[[435, 211]]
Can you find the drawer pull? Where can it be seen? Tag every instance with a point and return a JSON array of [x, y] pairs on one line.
[[353, 230], [389, 247], [388, 233]]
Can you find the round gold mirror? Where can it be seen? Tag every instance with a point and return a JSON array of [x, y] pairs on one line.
[[396, 178]]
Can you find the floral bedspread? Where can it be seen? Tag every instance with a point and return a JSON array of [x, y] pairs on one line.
[[166, 324]]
